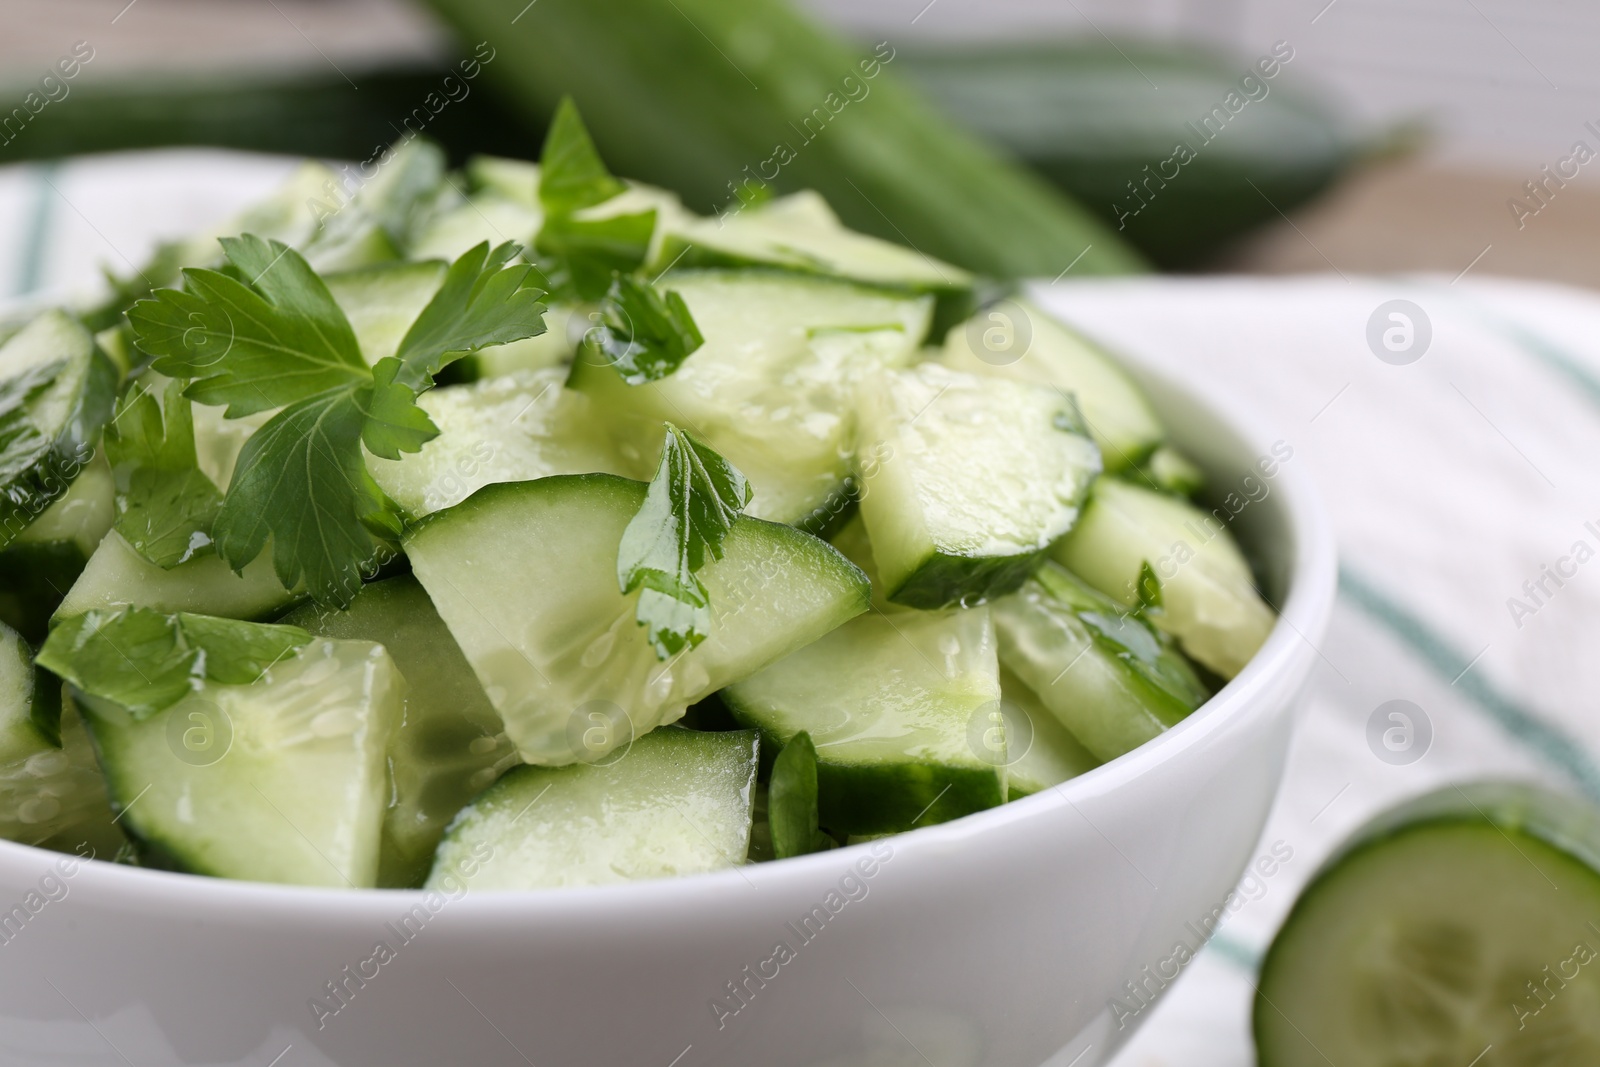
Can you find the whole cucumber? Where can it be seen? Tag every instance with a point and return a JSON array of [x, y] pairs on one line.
[[1105, 123], [705, 96]]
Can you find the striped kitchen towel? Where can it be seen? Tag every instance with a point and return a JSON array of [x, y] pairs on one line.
[[1451, 426]]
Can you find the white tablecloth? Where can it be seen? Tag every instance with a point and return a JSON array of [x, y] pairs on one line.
[[1453, 480]]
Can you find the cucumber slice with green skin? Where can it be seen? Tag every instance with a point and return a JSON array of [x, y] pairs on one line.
[[801, 233], [510, 429], [773, 387], [676, 802], [890, 703], [451, 745], [966, 481], [525, 576], [1016, 340], [381, 302], [282, 780], [1052, 754], [1110, 677], [46, 788], [117, 576], [1445, 936], [1209, 598], [484, 216], [38, 568], [68, 388]]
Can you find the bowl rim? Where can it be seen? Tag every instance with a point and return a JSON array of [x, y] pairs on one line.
[[1310, 579]]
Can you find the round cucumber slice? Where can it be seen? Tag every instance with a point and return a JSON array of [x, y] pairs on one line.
[[1462, 929]]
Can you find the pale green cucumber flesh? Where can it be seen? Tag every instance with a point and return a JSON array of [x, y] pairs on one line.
[[283, 780], [676, 802], [509, 429], [1105, 675], [564, 328], [1049, 753], [450, 746], [966, 481], [514, 179], [1017, 340], [484, 216], [381, 302], [773, 387], [893, 704], [1209, 599], [46, 788], [117, 576], [54, 794], [800, 233], [1449, 941], [525, 576]]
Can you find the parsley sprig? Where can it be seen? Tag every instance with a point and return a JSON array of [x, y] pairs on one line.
[[278, 340], [581, 251], [688, 511]]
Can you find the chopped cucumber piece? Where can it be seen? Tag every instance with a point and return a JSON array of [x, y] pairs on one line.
[[801, 233], [38, 568], [1017, 340], [891, 703], [525, 576], [381, 302], [1445, 938], [510, 429], [46, 789], [451, 745], [676, 802], [773, 387], [281, 780], [58, 391], [966, 481], [514, 179], [218, 440], [484, 216], [1050, 754], [1171, 470], [1111, 678], [117, 576], [1209, 598], [564, 328]]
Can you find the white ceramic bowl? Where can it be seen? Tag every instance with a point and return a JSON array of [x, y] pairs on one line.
[[998, 939]]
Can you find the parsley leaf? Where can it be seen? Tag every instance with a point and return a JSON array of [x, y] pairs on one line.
[[283, 342], [482, 302], [792, 800], [687, 512], [302, 480], [145, 661], [394, 423], [165, 503], [251, 347], [582, 253], [572, 175], [646, 335], [21, 443]]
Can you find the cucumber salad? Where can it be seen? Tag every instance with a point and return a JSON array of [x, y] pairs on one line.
[[519, 526]]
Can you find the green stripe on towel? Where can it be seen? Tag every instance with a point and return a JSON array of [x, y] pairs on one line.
[[1550, 742], [36, 236]]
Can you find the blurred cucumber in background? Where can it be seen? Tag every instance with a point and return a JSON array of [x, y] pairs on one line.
[[1013, 160], [1105, 121]]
